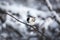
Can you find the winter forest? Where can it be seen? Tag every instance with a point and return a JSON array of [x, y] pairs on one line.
[[29, 19]]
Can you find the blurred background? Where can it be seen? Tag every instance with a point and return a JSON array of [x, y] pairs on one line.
[[45, 12]]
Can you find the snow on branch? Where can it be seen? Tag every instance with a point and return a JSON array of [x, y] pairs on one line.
[[53, 12]]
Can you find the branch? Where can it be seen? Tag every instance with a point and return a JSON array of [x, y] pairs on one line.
[[28, 25], [57, 18]]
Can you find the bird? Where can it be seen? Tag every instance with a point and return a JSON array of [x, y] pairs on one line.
[[31, 20]]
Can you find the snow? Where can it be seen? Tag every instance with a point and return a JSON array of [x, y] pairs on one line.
[[22, 11]]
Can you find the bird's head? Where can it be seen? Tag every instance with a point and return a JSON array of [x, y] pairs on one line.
[[31, 20]]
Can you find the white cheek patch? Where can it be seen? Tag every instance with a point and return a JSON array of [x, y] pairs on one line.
[[31, 22]]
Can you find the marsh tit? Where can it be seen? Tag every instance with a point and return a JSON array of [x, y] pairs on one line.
[[31, 20]]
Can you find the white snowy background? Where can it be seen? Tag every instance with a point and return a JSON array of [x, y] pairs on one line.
[[19, 9]]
